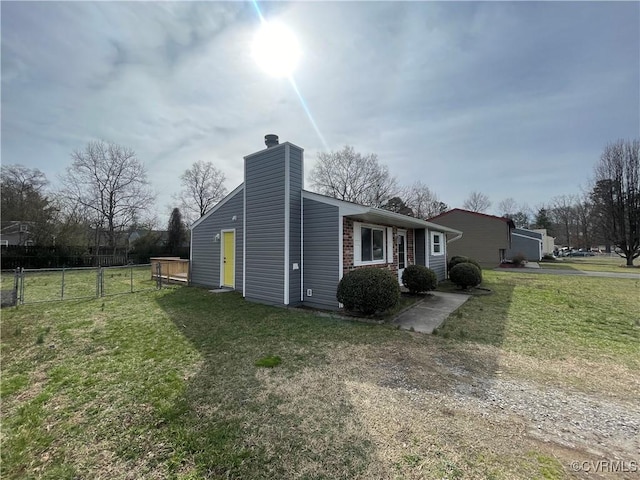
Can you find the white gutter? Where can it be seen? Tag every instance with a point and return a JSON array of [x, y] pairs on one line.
[[457, 237]]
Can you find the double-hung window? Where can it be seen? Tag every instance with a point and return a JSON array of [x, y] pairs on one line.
[[437, 247]]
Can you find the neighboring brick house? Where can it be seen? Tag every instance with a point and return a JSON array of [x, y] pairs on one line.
[[282, 245], [487, 238]]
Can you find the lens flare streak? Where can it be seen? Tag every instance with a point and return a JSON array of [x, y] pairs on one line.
[[292, 81]]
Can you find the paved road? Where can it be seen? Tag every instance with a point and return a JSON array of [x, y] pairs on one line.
[[557, 271]]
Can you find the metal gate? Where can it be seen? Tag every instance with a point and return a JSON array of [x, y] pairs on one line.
[[57, 284]]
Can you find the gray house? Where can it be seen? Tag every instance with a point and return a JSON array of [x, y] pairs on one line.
[[282, 245], [527, 243]]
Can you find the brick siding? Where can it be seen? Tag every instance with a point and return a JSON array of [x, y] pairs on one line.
[[347, 249]]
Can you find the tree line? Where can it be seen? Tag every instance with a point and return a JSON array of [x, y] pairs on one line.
[[105, 194], [606, 214]]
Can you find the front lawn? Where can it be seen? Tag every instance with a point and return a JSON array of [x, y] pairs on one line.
[[597, 263], [174, 384], [553, 316]]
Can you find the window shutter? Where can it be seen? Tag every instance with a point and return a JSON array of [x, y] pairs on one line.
[[389, 245], [357, 248]]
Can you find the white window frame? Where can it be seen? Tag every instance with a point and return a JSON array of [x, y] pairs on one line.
[[440, 243], [357, 244]]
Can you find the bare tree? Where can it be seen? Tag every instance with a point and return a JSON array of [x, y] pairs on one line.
[[72, 222], [563, 213], [507, 207], [110, 184], [520, 214], [24, 199], [477, 202], [423, 201], [616, 197], [586, 230], [202, 187], [351, 176]]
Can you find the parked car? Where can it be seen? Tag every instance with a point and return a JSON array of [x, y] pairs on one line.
[[582, 254]]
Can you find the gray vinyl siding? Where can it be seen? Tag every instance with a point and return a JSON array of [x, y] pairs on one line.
[[529, 247], [205, 250], [420, 245], [321, 254], [265, 192], [438, 263], [295, 249]]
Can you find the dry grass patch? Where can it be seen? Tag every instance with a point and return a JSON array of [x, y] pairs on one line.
[[167, 387]]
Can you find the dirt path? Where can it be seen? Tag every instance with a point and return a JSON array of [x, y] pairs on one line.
[[475, 399], [468, 411], [571, 424]]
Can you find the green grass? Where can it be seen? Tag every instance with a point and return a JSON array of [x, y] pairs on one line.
[[592, 264], [164, 384], [552, 316], [268, 362], [173, 368], [70, 284]]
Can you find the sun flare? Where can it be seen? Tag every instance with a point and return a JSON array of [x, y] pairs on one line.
[[276, 50]]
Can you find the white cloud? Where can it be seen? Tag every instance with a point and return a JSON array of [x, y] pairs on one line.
[[462, 96]]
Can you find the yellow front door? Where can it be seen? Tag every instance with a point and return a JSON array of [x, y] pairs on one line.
[[228, 262]]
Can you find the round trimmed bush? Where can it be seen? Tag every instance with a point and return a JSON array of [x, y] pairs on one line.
[[465, 275], [456, 259], [418, 278], [368, 290]]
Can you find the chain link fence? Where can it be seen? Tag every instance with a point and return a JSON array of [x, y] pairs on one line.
[[28, 286]]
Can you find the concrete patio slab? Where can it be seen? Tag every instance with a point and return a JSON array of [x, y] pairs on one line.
[[429, 314], [221, 290]]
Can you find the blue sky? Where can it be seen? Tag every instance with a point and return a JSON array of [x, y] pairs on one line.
[[507, 98]]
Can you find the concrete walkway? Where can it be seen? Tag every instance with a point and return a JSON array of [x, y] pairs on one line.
[[429, 314]]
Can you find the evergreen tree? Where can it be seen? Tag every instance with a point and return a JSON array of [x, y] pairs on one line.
[[176, 231]]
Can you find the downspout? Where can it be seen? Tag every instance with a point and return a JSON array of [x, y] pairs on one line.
[[190, 255], [446, 268]]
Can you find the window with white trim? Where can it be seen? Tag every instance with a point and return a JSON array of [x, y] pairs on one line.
[[437, 243], [370, 244]]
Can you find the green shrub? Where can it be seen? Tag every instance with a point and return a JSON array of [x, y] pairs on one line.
[[368, 290], [418, 278], [465, 275], [456, 259]]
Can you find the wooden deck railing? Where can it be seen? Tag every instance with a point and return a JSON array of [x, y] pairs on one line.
[[172, 269]]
